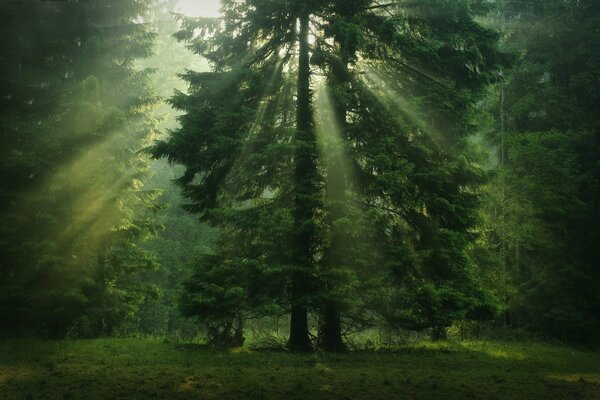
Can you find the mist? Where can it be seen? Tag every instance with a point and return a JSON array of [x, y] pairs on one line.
[[341, 199]]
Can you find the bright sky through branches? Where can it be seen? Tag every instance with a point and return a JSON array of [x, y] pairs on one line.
[[199, 8]]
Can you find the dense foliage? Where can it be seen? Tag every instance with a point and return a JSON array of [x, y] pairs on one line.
[[371, 188], [74, 115], [544, 208], [337, 165], [181, 237]]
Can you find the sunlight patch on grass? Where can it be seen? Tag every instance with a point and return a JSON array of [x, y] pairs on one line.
[[241, 350], [498, 350], [576, 378], [505, 354]]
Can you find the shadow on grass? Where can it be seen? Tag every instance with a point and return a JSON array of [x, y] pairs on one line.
[[198, 347]]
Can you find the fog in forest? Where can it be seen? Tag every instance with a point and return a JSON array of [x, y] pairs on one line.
[[319, 180]]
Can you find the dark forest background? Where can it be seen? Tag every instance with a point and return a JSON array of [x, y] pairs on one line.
[[310, 172]]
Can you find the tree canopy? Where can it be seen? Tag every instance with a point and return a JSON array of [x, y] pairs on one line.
[[72, 124], [329, 143], [336, 167]]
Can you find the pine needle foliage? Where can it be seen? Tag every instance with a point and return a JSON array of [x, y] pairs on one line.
[[329, 141]]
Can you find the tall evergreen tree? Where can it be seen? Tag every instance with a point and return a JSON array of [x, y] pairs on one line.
[[445, 70], [73, 119], [386, 192]]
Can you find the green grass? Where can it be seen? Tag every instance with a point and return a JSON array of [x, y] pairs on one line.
[[154, 369]]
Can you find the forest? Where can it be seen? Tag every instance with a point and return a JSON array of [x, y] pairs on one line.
[[300, 199]]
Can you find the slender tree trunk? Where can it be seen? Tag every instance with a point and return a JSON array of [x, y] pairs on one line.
[[306, 191]]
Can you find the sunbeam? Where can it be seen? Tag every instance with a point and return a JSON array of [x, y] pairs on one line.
[[330, 137], [270, 105], [389, 92], [96, 205]]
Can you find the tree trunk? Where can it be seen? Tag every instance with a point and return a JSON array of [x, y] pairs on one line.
[[238, 338], [439, 333], [306, 191], [299, 340], [330, 329]]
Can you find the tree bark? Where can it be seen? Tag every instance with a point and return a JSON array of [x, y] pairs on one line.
[[239, 338], [306, 191], [330, 328]]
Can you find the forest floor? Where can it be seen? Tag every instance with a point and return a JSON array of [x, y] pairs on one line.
[[155, 369]]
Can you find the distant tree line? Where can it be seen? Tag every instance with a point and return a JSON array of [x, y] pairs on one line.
[[542, 216]]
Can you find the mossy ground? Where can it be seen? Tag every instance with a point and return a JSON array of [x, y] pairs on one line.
[[156, 369]]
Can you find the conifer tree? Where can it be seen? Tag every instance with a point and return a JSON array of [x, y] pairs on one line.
[[543, 210], [390, 201], [73, 120]]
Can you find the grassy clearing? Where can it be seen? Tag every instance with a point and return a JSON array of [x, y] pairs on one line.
[[155, 369]]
